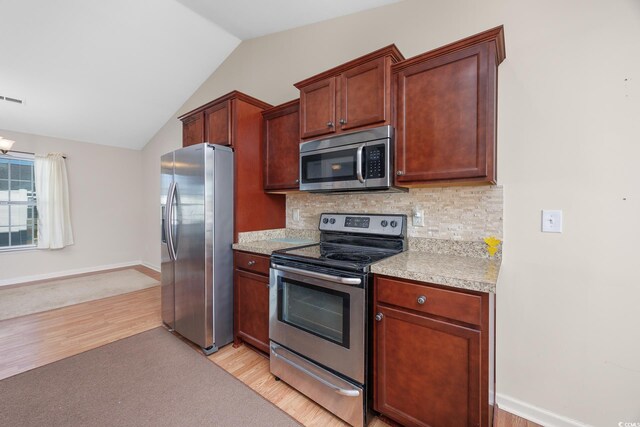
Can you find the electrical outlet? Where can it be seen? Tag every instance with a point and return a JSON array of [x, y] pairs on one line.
[[551, 221], [296, 214], [418, 218]]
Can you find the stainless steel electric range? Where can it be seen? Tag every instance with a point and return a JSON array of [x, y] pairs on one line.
[[320, 302]]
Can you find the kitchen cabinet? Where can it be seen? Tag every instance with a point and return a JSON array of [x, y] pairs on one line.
[[217, 123], [192, 129], [446, 103], [235, 120], [282, 146], [251, 300], [352, 96], [432, 360]]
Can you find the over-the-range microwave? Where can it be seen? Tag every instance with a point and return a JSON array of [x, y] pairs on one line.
[[358, 161]]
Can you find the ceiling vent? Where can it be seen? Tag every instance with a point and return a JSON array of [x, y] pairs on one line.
[[9, 99]]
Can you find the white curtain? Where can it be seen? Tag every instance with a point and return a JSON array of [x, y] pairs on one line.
[[52, 198]]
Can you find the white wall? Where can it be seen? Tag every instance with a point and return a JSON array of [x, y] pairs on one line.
[[104, 194], [568, 336]]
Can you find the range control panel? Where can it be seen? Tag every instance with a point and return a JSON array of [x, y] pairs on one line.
[[383, 225]]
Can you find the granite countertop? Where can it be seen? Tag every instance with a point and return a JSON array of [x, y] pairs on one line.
[[477, 274], [266, 241], [265, 247], [462, 265]]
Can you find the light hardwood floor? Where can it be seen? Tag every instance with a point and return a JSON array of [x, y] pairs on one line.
[[34, 340]]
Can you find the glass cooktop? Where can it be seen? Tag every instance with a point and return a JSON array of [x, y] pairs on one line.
[[336, 255]]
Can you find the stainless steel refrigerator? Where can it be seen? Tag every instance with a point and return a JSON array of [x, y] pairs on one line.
[[197, 233]]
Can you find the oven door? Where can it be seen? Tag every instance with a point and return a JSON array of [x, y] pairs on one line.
[[320, 318]]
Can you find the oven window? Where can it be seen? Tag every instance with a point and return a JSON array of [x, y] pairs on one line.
[[334, 166], [322, 312]]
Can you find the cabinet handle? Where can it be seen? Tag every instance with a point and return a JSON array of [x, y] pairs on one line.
[[399, 173], [422, 299], [330, 124], [343, 122], [379, 317], [250, 263]]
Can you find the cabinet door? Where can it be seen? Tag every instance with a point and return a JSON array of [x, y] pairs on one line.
[[281, 149], [252, 309], [318, 108], [427, 372], [445, 117], [363, 95], [217, 124], [192, 130]]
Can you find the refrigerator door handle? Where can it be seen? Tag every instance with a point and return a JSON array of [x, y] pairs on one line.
[[169, 221]]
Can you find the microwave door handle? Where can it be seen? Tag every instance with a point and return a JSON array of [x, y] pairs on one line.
[[359, 164]]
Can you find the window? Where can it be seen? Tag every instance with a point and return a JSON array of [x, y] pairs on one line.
[[18, 212]]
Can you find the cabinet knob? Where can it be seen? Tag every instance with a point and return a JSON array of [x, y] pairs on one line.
[[379, 317], [343, 122], [250, 263], [297, 181], [399, 173], [330, 124], [422, 299]]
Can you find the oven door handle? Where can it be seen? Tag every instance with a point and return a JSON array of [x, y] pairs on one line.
[[359, 164], [321, 276], [341, 391]]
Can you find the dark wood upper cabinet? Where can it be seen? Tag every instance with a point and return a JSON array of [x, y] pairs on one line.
[[319, 111], [364, 95], [352, 96], [193, 130], [281, 146], [431, 368], [235, 119], [217, 124], [446, 112]]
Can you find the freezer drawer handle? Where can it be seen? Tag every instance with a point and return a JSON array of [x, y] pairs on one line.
[[322, 276], [341, 391]]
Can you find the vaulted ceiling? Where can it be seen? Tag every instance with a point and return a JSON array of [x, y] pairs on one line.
[[113, 72]]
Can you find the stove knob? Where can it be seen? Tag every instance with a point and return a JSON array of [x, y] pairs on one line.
[[384, 223], [394, 223], [325, 220], [332, 220]]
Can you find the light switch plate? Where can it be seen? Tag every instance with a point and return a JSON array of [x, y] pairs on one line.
[[551, 221], [296, 214]]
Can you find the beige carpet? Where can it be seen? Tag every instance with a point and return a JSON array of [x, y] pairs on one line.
[[52, 294], [149, 379]]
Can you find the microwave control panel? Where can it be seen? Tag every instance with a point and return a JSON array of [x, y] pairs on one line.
[[375, 161]]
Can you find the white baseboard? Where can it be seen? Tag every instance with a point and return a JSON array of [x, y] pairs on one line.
[[151, 266], [23, 279], [534, 413]]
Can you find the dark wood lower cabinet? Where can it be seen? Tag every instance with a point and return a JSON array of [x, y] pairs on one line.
[[430, 370], [251, 300]]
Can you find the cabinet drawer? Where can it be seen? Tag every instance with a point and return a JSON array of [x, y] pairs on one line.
[[252, 262], [440, 302]]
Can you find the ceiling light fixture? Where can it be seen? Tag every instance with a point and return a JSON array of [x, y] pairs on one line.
[[5, 145]]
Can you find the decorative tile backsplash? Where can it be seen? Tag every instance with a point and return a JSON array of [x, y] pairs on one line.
[[452, 213]]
